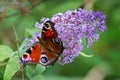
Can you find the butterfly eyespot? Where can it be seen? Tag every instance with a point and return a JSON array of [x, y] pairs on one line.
[[56, 41], [47, 26], [26, 57], [44, 59]]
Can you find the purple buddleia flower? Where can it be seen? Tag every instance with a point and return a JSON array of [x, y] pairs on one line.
[[30, 42], [72, 26]]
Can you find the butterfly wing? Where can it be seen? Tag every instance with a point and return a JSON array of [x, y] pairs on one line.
[[32, 55], [48, 30], [50, 51], [52, 45]]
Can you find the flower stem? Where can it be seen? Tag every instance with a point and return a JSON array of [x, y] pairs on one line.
[[17, 44]]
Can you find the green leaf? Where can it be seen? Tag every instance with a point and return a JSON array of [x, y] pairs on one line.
[[12, 67], [3, 64], [40, 68], [32, 70], [58, 77], [5, 52], [29, 32], [36, 77]]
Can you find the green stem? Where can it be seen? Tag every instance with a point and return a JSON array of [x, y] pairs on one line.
[[17, 44]]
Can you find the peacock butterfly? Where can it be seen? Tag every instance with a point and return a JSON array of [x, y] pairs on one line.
[[47, 50]]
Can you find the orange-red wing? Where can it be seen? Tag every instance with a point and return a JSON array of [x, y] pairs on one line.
[[35, 53], [48, 30]]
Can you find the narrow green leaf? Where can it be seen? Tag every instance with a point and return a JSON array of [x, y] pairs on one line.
[[5, 52], [85, 55], [12, 67]]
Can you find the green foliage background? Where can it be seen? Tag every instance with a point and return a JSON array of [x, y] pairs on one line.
[[24, 13]]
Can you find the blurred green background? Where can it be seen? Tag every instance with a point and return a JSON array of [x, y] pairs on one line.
[[105, 63]]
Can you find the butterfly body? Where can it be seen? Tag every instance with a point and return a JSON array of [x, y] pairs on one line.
[[47, 50]]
